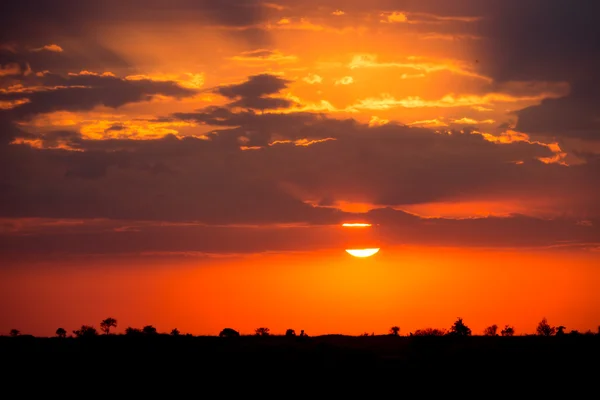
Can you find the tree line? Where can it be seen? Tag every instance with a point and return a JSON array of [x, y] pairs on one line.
[[459, 328]]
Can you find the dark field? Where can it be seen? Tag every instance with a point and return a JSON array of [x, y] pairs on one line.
[[321, 353], [331, 366]]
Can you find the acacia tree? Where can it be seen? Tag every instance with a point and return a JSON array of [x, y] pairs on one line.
[[262, 331], [61, 333], [507, 331], [107, 324], [459, 328], [544, 328], [15, 332], [395, 330], [491, 330]]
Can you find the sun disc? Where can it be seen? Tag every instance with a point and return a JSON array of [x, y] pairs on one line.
[[362, 252]]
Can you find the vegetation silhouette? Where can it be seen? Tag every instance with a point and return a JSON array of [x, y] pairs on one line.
[[86, 331], [491, 330], [262, 331], [545, 329], [108, 323], [228, 332], [422, 349]]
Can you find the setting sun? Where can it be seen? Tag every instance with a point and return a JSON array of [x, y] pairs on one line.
[[362, 253], [356, 225]]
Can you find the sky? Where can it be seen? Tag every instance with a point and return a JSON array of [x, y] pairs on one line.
[[190, 164]]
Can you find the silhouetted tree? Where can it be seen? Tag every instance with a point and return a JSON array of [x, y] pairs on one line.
[[290, 332], [61, 333], [459, 328], [107, 324], [228, 332], [560, 330], [15, 332], [149, 330], [544, 328], [394, 330], [429, 332], [507, 331], [85, 331], [175, 332], [491, 330], [262, 331], [129, 331]]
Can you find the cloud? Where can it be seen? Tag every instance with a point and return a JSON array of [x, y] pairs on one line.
[[371, 61], [262, 56], [387, 101], [562, 47], [393, 17], [346, 80], [254, 92], [312, 79], [42, 238], [84, 91], [302, 158], [50, 47]]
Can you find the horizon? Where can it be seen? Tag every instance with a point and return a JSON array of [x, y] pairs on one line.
[[341, 170]]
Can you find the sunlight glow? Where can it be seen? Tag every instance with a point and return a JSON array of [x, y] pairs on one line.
[[362, 252], [356, 225]]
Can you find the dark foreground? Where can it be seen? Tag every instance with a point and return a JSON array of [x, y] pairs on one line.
[[161, 357]]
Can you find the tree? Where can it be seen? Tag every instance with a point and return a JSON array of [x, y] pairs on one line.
[[507, 331], [86, 331], [129, 331], [544, 328], [394, 330], [290, 332], [149, 330], [491, 330], [459, 328], [429, 332], [61, 333], [560, 330], [262, 331], [107, 324], [228, 332], [15, 332], [175, 332]]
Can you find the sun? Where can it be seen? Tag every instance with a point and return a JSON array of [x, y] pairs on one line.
[[362, 253]]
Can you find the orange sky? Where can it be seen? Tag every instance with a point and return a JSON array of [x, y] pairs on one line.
[[190, 164]]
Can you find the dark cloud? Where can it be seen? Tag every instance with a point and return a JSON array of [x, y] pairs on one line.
[[214, 182], [552, 40], [30, 21], [253, 92], [86, 91], [92, 56], [47, 238]]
